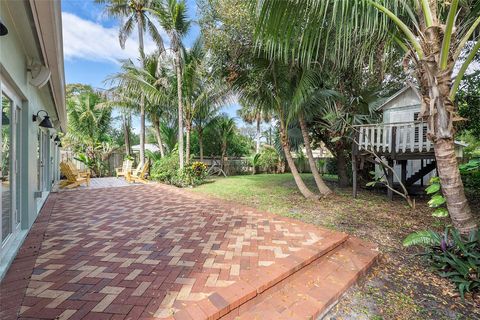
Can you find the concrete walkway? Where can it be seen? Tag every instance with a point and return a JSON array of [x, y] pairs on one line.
[[156, 252]]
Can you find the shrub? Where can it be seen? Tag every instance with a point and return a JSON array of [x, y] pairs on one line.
[[470, 172], [268, 159], [167, 170], [451, 256]]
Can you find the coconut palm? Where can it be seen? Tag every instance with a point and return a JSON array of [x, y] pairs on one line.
[[203, 91], [433, 34], [224, 127], [250, 113], [267, 84], [135, 12], [172, 17]]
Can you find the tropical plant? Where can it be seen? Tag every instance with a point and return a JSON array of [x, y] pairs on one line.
[[135, 13], [451, 256], [433, 34], [268, 159], [172, 17], [225, 128]]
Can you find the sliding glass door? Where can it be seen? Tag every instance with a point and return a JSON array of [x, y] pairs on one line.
[[11, 219]]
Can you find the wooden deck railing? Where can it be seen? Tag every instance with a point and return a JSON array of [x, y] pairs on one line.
[[402, 137]]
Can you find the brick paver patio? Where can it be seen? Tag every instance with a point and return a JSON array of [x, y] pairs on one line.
[[151, 252]]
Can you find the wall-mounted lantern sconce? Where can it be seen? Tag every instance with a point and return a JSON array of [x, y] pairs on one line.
[[57, 139], [3, 29], [45, 123]]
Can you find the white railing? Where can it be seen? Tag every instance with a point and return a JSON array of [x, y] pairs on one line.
[[393, 137]]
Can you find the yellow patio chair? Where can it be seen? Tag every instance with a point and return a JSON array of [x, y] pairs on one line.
[[73, 180], [125, 169], [140, 175], [75, 171]]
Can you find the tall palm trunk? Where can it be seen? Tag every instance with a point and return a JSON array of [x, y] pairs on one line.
[[142, 97], [438, 108], [200, 143], [296, 176], [158, 135], [224, 153], [322, 187], [180, 107], [187, 142], [259, 134], [126, 134]]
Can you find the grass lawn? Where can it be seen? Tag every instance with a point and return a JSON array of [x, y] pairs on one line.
[[399, 287]]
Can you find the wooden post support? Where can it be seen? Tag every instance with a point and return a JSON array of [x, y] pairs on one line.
[[404, 171], [390, 180], [354, 175]]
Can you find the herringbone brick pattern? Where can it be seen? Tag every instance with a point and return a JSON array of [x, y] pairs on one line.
[[151, 251]]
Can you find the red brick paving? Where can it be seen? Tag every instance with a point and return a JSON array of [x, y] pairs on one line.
[[151, 252]]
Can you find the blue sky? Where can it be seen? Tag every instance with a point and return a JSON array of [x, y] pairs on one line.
[[91, 47]]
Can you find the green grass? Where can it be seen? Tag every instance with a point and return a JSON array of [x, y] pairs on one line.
[[271, 192]]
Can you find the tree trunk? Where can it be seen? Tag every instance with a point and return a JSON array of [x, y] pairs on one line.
[[224, 152], [142, 98], [452, 186], [158, 135], [187, 144], [440, 111], [126, 134], [296, 176], [180, 108], [200, 144], [259, 134], [322, 187], [342, 169]]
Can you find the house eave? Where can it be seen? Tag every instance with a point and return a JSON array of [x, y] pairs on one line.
[[47, 17]]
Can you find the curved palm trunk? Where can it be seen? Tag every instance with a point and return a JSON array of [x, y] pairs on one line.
[[180, 109], [296, 176], [322, 187], [142, 98], [158, 136], [452, 186]]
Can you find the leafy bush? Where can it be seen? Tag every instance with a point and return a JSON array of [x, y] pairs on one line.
[[268, 159], [167, 170], [470, 172], [451, 256]]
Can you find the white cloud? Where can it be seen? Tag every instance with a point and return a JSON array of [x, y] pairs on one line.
[[85, 39]]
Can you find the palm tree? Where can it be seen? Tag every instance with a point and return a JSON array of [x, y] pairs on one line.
[[172, 16], [433, 34], [204, 116], [307, 95], [135, 13], [267, 85], [202, 89]]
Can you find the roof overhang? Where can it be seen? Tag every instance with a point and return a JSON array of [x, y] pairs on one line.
[[406, 88], [47, 16]]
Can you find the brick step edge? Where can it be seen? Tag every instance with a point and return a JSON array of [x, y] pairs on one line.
[[256, 281], [313, 290]]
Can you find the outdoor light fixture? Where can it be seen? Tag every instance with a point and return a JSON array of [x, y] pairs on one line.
[[45, 123], [60, 145], [3, 29], [57, 139]]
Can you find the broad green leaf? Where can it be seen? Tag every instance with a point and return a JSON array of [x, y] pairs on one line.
[[440, 213], [371, 183], [436, 201], [435, 187]]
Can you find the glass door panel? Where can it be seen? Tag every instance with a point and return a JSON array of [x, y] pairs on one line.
[[6, 166]]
